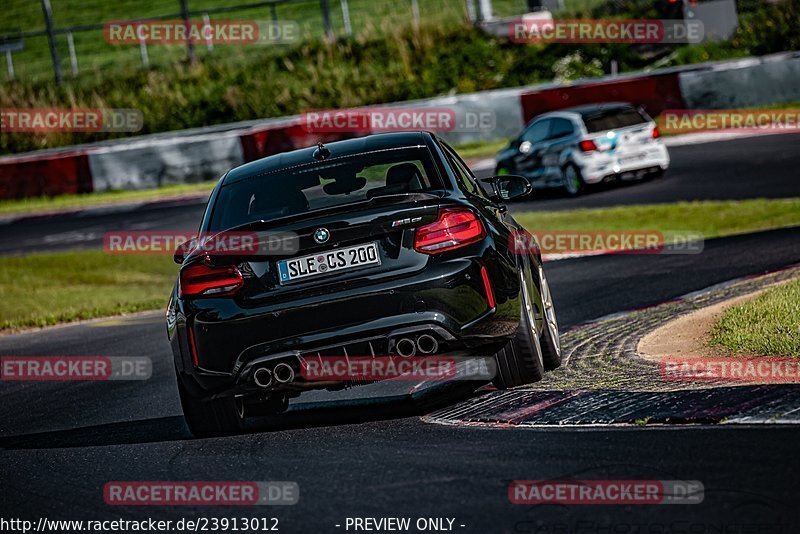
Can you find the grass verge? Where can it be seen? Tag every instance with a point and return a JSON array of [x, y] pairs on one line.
[[46, 289], [768, 325], [711, 218], [36, 205], [51, 288]]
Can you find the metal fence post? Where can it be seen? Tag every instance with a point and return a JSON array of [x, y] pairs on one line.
[[186, 23], [143, 50], [348, 29], [485, 10], [73, 57], [326, 18], [9, 65], [471, 15], [51, 37], [207, 31]]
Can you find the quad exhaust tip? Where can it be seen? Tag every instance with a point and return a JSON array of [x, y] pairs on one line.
[[283, 373], [427, 344], [262, 377], [406, 347]]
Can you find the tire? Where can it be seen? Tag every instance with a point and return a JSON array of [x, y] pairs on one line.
[[550, 341], [520, 361], [211, 417], [573, 181]]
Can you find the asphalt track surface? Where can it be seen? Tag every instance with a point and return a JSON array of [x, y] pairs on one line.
[[374, 457]]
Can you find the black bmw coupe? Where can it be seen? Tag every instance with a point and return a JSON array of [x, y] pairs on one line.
[[380, 246]]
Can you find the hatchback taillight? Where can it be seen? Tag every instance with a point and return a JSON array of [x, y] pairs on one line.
[[656, 132], [201, 280], [587, 145], [453, 229]]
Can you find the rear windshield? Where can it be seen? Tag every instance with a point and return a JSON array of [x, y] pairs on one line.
[[613, 119], [323, 184]]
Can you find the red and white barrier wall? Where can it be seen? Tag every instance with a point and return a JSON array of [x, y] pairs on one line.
[[205, 154]]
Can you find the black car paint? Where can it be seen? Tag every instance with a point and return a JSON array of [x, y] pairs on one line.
[[422, 291]]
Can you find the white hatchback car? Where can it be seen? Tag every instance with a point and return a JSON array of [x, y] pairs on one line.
[[578, 146]]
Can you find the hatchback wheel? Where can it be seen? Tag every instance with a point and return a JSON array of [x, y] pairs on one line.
[[573, 181]]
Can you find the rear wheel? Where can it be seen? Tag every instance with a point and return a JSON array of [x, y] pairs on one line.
[[573, 181], [211, 417], [550, 342], [520, 361]]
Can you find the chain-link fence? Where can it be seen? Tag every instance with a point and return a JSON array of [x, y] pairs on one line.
[[65, 38]]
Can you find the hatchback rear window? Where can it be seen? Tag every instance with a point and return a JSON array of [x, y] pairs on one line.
[[323, 184], [613, 119]]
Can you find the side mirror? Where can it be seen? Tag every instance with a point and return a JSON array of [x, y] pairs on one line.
[[182, 250], [509, 186]]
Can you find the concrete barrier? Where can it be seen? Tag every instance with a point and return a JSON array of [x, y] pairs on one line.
[[165, 162], [748, 83]]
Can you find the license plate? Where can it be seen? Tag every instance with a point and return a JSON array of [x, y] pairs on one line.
[[331, 261], [631, 158]]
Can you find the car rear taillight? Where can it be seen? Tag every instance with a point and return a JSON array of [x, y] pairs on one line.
[[656, 132], [453, 229], [201, 280], [587, 145]]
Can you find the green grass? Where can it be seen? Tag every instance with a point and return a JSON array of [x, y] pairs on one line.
[[480, 149], [45, 289], [367, 17], [66, 202], [710, 218], [768, 325]]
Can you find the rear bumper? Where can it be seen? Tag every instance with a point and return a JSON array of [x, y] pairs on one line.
[[447, 297], [600, 165]]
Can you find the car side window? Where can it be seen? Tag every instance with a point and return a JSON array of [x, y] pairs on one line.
[[560, 128], [536, 132], [463, 174]]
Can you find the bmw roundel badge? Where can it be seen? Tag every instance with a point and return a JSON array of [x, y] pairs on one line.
[[321, 235]]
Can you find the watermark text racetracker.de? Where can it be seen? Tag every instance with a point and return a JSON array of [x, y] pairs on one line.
[[606, 492], [648, 31], [64, 368], [201, 493], [397, 119], [747, 120], [227, 243], [369, 368], [84, 120], [215, 32], [734, 369], [595, 242]]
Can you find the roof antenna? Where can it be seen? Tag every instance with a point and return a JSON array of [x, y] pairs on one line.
[[321, 152]]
